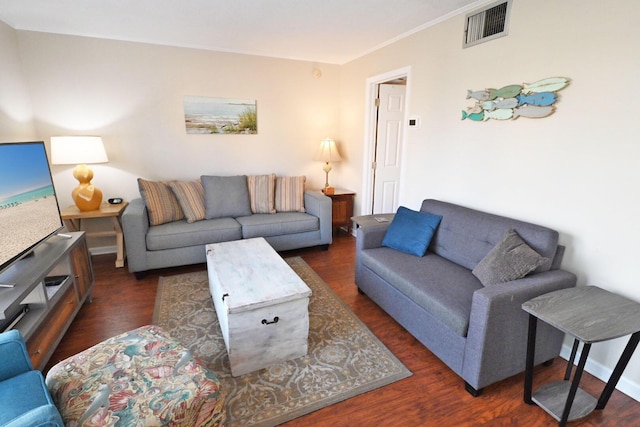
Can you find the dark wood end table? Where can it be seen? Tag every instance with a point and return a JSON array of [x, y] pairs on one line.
[[342, 208]]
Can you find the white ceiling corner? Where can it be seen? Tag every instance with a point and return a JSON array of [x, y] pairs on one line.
[[327, 31]]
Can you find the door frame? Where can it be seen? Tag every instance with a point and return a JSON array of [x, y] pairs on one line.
[[370, 124]]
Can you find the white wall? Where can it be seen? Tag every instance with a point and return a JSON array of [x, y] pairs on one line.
[[575, 171], [16, 118], [131, 94]]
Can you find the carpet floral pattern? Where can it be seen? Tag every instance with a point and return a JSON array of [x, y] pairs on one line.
[[345, 358]]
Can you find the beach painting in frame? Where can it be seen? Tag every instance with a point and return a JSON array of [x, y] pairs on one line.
[[204, 115]]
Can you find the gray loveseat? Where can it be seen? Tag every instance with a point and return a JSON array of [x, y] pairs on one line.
[[479, 331], [180, 242]]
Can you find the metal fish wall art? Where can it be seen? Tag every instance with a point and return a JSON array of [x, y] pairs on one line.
[[533, 100]]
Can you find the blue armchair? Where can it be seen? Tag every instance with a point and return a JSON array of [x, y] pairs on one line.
[[24, 397]]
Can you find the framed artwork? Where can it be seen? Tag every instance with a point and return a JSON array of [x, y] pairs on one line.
[[203, 115]]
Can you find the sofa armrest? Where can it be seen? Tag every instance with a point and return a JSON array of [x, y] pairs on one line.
[[497, 338], [135, 225], [319, 205], [370, 237], [14, 356]]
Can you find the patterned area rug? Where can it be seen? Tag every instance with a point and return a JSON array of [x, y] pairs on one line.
[[345, 358]]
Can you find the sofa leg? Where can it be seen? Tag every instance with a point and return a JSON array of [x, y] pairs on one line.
[[140, 275], [360, 291], [324, 247], [548, 363], [471, 390]]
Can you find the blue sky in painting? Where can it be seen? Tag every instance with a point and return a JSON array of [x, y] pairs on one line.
[[23, 167]]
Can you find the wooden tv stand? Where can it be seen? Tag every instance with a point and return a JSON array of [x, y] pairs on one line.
[[51, 308]]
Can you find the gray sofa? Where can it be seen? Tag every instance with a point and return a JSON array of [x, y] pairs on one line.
[[480, 332], [180, 243]]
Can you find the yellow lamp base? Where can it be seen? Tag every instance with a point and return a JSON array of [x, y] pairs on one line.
[[86, 196]]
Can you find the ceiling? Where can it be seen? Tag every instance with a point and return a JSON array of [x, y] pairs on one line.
[[328, 31]]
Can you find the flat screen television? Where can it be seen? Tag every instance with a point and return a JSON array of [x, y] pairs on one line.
[[29, 210]]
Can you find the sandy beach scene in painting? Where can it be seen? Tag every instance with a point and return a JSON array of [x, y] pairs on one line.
[[34, 219], [219, 115]]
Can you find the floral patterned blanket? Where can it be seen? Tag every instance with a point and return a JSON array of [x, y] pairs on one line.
[[139, 378]]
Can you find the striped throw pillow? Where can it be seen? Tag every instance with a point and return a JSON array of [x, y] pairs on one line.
[[290, 194], [190, 195], [262, 192], [162, 205]]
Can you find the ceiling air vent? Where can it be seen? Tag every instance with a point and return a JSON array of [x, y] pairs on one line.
[[487, 24]]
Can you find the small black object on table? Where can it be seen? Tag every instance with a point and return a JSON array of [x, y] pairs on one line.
[[589, 314]]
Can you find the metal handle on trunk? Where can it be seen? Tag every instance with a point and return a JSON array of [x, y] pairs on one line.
[[266, 322]]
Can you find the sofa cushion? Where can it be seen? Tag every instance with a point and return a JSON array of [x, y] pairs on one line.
[[162, 205], [190, 195], [278, 224], [179, 234], [226, 196], [509, 260], [262, 193], [411, 231], [290, 194], [441, 287]]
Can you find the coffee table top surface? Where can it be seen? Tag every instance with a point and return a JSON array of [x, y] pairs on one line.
[[588, 313], [253, 274]]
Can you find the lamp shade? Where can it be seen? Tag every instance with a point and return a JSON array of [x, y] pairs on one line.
[[74, 150], [328, 151]]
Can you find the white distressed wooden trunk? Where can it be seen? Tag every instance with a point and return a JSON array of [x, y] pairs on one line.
[[261, 303]]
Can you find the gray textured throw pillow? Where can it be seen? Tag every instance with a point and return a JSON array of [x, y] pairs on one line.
[[226, 196], [510, 259]]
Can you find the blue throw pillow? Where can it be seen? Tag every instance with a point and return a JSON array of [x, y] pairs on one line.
[[411, 231]]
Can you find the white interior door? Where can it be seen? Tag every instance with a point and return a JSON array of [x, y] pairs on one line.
[[388, 147]]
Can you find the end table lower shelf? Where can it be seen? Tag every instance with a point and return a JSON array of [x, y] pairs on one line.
[[552, 398]]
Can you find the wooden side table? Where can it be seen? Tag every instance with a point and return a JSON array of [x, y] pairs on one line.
[[73, 217], [590, 315], [342, 208]]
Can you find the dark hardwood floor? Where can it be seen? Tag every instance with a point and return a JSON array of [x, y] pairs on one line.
[[433, 396]]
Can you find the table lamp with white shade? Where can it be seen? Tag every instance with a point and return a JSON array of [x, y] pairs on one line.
[[327, 153], [80, 150]]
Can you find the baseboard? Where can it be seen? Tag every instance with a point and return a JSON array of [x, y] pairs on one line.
[[603, 373], [102, 250]]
